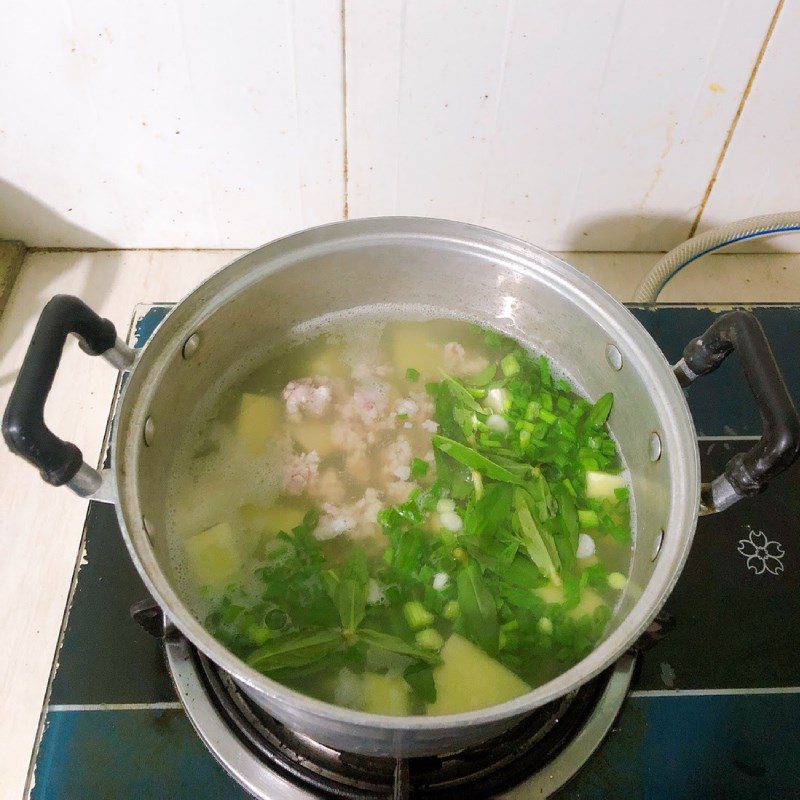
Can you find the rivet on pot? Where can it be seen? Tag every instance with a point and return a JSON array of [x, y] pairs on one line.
[[149, 431], [191, 345], [614, 357], [148, 529], [655, 446], [657, 545]]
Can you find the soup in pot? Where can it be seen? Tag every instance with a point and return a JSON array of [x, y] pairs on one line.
[[402, 516]]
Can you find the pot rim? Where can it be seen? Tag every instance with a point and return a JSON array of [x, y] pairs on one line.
[[526, 259]]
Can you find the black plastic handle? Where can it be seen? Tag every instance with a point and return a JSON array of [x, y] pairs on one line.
[[24, 428], [777, 449]]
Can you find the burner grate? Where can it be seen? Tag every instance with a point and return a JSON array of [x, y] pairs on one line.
[[477, 772]]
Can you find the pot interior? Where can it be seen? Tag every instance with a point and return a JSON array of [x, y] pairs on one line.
[[460, 270]]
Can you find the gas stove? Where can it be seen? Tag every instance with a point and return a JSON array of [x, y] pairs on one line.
[[710, 711], [534, 759]]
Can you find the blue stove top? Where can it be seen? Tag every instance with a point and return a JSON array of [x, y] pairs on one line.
[[715, 706]]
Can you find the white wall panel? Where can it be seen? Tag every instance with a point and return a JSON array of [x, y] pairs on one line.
[[761, 170], [575, 124], [169, 123]]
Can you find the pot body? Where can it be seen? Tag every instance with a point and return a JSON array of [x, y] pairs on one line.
[[454, 269]]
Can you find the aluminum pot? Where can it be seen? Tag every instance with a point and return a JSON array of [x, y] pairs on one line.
[[457, 269]]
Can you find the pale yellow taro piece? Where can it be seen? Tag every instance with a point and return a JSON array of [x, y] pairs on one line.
[[413, 349], [259, 419], [589, 601], [270, 519], [386, 694], [602, 485], [214, 556], [550, 593], [469, 679], [330, 363], [311, 435]]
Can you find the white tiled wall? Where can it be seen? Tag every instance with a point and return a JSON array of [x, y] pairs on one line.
[[169, 123], [578, 125], [761, 169], [575, 124]]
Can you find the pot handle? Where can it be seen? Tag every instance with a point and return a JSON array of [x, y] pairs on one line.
[[24, 428], [748, 473]]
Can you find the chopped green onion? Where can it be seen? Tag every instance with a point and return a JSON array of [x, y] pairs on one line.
[[451, 610], [588, 519], [417, 616], [544, 371], [532, 411], [509, 365], [547, 416], [419, 467], [412, 374], [258, 634], [617, 581], [477, 482], [429, 639]]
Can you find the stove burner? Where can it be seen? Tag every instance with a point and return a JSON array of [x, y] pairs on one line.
[[533, 759]]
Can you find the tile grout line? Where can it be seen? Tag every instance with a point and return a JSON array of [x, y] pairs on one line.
[[714, 692], [158, 706], [736, 117], [345, 154], [169, 705]]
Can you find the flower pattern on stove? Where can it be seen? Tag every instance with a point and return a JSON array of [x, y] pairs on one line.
[[762, 553]]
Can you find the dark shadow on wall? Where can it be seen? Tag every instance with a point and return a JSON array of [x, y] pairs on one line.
[[644, 233], [18, 211]]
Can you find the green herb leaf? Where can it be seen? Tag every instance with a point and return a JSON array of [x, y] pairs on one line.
[[295, 650], [566, 553], [330, 580], [461, 394], [568, 515], [473, 459], [485, 376], [394, 644], [490, 511], [493, 339], [534, 539], [409, 553], [420, 678], [600, 411], [478, 609], [351, 602], [522, 572], [445, 407]]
